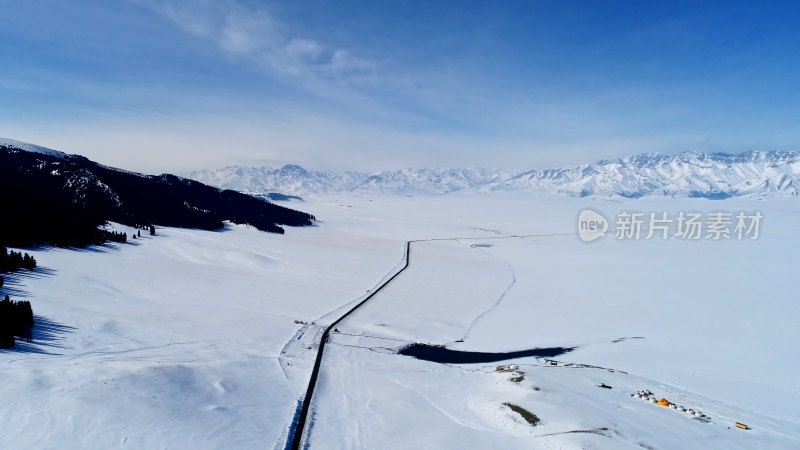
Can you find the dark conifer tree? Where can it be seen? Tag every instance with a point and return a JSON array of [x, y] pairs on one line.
[[16, 319]]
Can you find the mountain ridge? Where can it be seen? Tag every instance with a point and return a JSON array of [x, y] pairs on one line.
[[756, 174]]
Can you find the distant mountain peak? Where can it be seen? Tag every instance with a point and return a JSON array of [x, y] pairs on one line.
[[293, 168]]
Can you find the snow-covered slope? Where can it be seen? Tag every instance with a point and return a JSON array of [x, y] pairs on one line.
[[30, 147], [718, 175]]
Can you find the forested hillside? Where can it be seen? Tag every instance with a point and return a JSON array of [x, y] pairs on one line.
[[62, 199]]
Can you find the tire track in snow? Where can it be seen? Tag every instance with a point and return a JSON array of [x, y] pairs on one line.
[[499, 300]]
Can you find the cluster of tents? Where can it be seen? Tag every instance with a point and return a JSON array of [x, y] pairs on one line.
[[648, 396]]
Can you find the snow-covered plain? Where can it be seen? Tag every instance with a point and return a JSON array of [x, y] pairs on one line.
[[185, 339]]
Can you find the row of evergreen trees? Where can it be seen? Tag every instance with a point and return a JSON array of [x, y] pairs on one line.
[[13, 261], [146, 227], [115, 236], [16, 319], [119, 236]]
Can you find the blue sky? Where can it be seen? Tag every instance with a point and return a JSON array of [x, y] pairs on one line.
[[158, 85]]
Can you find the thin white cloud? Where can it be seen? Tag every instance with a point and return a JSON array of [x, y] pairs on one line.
[[342, 61], [307, 50], [254, 34], [360, 84], [383, 89]]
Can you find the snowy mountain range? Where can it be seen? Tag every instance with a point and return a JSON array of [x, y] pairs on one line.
[[697, 175]]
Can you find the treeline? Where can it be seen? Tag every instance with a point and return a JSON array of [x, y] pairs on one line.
[[115, 236], [13, 261], [119, 236], [62, 200], [16, 319]]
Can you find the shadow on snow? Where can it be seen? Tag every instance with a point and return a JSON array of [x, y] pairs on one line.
[[13, 282], [47, 336], [446, 356]]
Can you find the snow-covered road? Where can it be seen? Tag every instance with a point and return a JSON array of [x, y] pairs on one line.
[[298, 423]]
